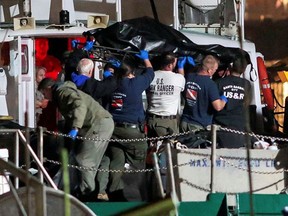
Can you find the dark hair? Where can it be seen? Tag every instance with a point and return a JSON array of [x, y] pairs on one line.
[[239, 65], [109, 65], [125, 70], [160, 61], [45, 83], [166, 58]]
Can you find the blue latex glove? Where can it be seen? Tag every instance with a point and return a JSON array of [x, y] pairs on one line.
[[73, 133], [143, 54], [181, 62], [107, 73], [116, 63], [224, 98], [191, 61], [75, 43], [88, 45]]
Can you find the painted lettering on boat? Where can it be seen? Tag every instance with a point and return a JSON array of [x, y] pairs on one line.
[[242, 163]]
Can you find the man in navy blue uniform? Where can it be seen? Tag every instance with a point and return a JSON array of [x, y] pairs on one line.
[[128, 114], [201, 96]]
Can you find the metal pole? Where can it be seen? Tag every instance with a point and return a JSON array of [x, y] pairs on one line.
[[40, 151], [14, 192], [171, 172], [118, 11], [158, 176], [170, 168], [213, 156], [154, 10], [48, 178], [27, 163], [40, 207], [242, 14], [175, 14], [16, 155]]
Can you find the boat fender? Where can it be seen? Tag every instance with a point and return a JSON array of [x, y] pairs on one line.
[[265, 84]]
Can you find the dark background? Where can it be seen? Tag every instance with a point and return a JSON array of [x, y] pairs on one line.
[[270, 37]]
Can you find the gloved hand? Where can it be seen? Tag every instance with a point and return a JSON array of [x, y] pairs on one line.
[[224, 98], [116, 63], [75, 43], [107, 73], [191, 61], [73, 133], [88, 45], [143, 54], [181, 62]]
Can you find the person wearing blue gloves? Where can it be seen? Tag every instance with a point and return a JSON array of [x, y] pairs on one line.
[[128, 114], [75, 56], [86, 118], [182, 60], [87, 46], [234, 115], [163, 96], [99, 90], [201, 96]]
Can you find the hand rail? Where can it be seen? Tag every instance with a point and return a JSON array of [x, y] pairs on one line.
[[19, 135]]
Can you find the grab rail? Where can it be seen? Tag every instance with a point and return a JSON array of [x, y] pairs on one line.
[[20, 135]]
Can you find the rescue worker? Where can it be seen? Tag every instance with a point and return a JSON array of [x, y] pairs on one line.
[[234, 115], [86, 118], [201, 96], [128, 114], [163, 98], [95, 88]]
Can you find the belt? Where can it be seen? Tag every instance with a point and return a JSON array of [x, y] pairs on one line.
[[126, 125], [162, 117]]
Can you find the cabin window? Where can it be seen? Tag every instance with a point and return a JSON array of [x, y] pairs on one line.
[[24, 56]]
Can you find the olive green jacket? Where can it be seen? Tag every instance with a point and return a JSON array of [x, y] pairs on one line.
[[79, 109]]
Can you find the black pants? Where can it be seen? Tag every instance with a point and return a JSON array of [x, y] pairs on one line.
[[230, 140]]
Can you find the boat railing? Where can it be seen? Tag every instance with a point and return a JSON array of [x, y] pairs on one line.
[[38, 159]]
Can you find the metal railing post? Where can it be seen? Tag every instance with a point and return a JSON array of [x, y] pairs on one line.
[[40, 150], [170, 169], [213, 156], [16, 156], [157, 175], [171, 172], [48, 178]]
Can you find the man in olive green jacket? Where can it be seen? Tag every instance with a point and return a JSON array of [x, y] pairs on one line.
[[86, 118]]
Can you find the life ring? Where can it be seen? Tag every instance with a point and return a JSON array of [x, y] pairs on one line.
[[265, 84]]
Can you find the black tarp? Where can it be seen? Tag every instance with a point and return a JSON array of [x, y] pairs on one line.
[[147, 33]]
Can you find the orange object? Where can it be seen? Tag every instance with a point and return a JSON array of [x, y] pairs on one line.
[[265, 84]]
